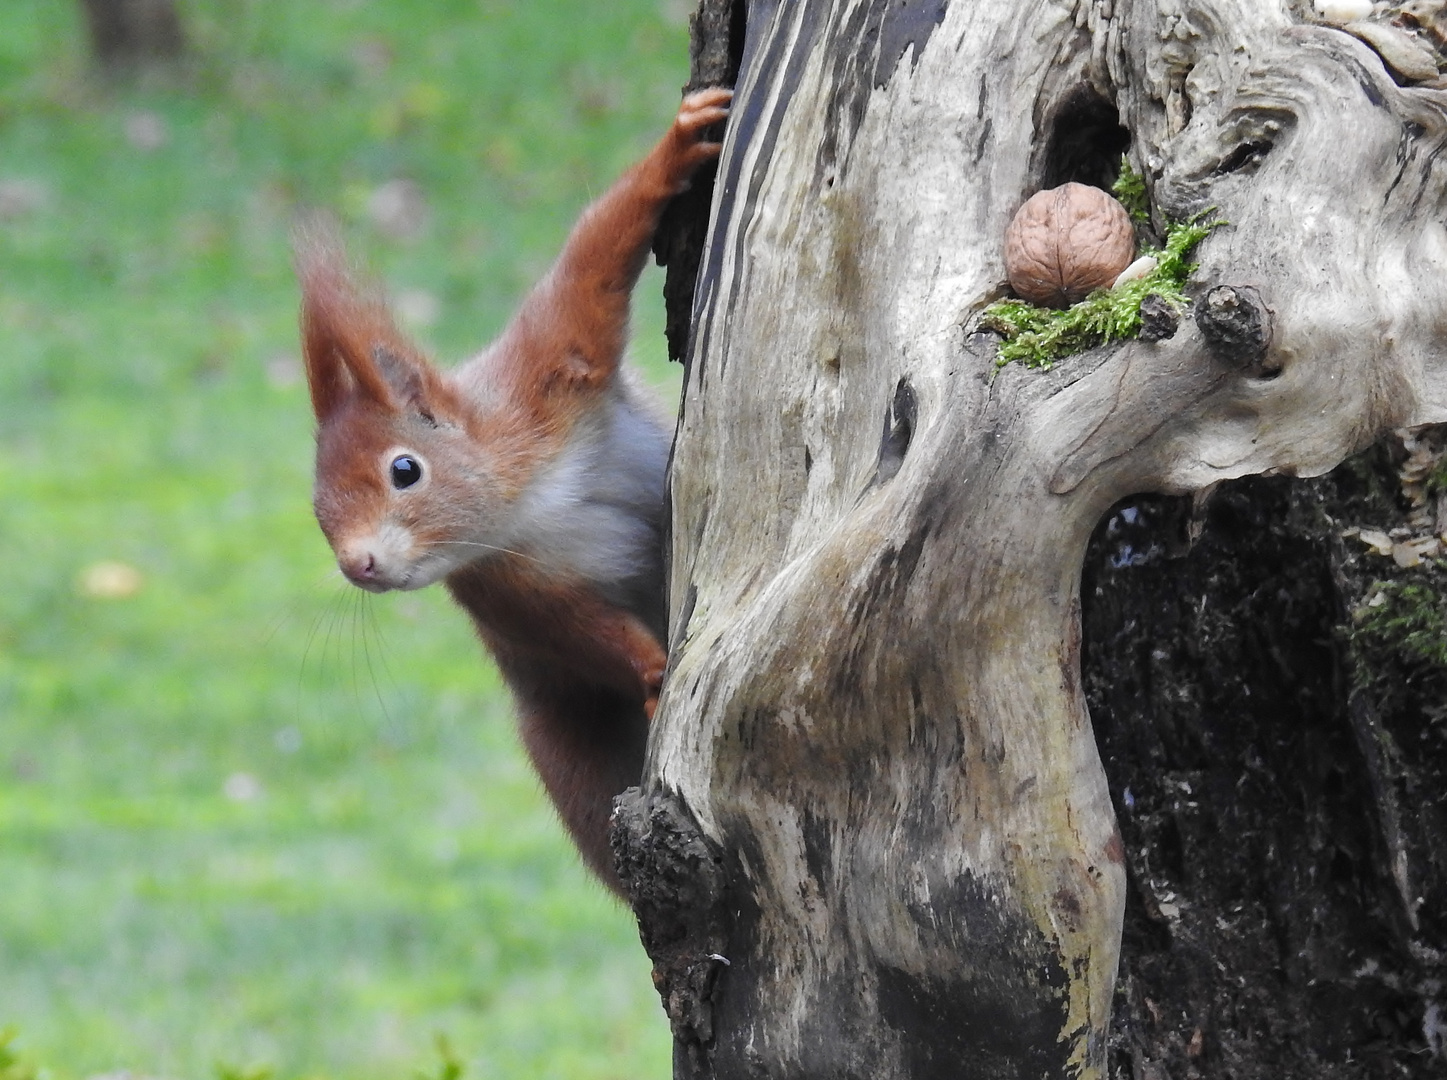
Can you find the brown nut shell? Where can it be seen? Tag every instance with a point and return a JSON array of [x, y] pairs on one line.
[[1066, 242]]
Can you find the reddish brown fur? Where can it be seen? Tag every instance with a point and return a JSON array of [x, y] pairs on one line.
[[525, 611], [585, 671], [585, 675], [340, 327], [573, 326]]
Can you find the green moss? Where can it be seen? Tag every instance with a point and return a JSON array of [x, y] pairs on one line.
[[1408, 619], [1037, 336], [1130, 189], [1437, 480]]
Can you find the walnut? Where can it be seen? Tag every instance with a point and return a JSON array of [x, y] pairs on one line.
[[1066, 242]]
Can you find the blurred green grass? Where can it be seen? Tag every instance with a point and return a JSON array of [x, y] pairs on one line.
[[250, 817]]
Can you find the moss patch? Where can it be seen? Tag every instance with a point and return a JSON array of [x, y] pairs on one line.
[[1408, 618], [1437, 481], [1130, 191], [1037, 336]]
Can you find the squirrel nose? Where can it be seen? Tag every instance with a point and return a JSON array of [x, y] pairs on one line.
[[360, 568]]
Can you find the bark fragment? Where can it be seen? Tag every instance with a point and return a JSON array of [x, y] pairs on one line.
[[1159, 320], [674, 880], [1235, 324]]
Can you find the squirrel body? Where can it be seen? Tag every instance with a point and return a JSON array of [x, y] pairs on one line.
[[530, 480]]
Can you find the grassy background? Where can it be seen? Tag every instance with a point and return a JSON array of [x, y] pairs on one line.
[[250, 817]]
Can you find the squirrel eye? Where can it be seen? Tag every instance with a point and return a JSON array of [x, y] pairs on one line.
[[406, 471]]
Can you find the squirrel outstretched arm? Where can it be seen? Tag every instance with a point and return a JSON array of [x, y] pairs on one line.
[[529, 479], [578, 314]]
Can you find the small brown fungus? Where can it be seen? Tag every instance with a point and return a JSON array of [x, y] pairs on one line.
[[1065, 243]]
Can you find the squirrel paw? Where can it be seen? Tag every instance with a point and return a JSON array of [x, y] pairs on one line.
[[703, 107], [652, 687], [698, 112]]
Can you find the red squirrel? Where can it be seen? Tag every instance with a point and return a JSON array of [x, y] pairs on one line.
[[530, 480]]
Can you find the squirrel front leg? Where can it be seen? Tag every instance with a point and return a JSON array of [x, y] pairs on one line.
[[573, 325]]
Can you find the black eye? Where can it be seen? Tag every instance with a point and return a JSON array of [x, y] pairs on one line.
[[406, 471]]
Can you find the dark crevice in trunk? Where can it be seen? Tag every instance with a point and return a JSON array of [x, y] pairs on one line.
[[1280, 779], [715, 52], [1085, 143]]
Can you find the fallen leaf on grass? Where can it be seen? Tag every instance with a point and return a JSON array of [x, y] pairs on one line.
[[242, 787], [110, 580]]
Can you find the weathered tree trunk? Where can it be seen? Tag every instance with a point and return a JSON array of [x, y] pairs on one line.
[[875, 837], [129, 34]]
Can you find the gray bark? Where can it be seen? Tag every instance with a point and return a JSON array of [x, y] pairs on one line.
[[873, 732]]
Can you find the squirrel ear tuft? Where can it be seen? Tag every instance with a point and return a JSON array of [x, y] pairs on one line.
[[320, 267], [405, 375], [349, 341]]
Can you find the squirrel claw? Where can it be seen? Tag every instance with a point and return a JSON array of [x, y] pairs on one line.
[[703, 108], [686, 147], [709, 95], [652, 686]]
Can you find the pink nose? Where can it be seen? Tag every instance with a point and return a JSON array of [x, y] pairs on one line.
[[360, 569]]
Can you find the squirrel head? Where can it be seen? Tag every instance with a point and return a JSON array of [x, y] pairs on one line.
[[411, 482]]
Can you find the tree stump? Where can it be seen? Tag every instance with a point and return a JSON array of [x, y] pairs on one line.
[[874, 721]]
